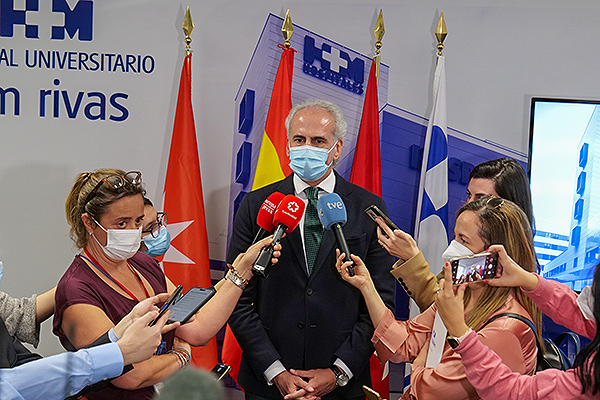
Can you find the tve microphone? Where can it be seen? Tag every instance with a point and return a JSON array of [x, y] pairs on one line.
[[332, 213], [286, 217], [264, 219]]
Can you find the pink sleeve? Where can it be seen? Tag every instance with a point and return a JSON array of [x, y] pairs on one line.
[[401, 341], [511, 338], [494, 380], [559, 302]]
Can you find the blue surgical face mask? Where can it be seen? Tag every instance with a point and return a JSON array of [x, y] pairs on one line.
[[157, 246], [308, 162]]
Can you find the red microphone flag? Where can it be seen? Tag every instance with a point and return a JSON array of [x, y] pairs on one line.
[[186, 262], [366, 172]]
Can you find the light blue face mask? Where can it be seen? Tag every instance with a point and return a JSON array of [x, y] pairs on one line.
[[308, 162], [157, 246], [1, 270]]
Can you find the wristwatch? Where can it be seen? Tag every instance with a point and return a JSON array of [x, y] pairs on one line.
[[454, 341], [341, 378]]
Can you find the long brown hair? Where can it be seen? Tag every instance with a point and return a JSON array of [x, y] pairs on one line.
[[503, 222], [97, 206]]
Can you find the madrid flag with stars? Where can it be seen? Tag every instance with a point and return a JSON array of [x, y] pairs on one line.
[[186, 263]]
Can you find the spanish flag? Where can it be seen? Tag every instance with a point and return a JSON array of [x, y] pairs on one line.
[[186, 262], [273, 161], [272, 166]]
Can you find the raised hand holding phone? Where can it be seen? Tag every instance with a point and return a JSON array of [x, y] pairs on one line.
[[449, 303], [171, 300], [510, 274]]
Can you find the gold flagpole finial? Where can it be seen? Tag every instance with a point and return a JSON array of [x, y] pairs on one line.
[[188, 27], [440, 33], [287, 29], [379, 32]]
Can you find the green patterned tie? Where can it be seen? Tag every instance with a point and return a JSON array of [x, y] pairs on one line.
[[313, 229]]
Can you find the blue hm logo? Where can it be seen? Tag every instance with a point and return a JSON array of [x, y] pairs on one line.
[[78, 19]]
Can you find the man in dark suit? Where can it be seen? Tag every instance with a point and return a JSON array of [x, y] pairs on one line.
[[303, 330]]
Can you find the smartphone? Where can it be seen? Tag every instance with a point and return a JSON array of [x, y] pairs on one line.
[[373, 211], [474, 268], [371, 394], [189, 304], [220, 370], [172, 299]]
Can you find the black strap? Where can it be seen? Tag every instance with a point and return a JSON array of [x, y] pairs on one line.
[[521, 318]]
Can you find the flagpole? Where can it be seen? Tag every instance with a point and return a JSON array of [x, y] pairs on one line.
[[379, 32], [440, 33]]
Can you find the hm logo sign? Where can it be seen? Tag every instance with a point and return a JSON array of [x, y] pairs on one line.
[[54, 22]]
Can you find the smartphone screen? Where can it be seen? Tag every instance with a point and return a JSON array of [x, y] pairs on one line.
[[373, 212], [474, 268], [190, 303]]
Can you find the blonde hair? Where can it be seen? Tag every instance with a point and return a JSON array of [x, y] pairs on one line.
[[97, 206], [503, 222]]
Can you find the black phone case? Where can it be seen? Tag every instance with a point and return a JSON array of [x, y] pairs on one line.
[[373, 212]]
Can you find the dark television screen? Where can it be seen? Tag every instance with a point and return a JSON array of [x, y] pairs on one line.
[[564, 171]]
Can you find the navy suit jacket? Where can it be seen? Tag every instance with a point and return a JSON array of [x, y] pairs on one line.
[[308, 321]]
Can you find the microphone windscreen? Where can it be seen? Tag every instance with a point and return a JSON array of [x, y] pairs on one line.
[[191, 384], [265, 214], [331, 210], [289, 212]]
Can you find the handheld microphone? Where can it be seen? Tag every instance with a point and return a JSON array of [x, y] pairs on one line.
[[286, 218], [264, 219], [332, 213]]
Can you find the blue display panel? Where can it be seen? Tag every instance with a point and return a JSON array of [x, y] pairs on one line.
[[563, 151]]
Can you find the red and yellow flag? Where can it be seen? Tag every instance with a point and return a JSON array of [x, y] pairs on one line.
[[273, 162], [366, 172], [272, 166], [186, 263]]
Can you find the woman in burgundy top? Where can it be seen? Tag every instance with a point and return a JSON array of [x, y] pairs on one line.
[[108, 277]]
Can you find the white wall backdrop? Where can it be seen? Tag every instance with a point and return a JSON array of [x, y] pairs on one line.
[[498, 55]]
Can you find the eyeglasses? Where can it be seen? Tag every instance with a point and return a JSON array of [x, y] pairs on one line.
[[494, 202], [115, 182], [154, 229]]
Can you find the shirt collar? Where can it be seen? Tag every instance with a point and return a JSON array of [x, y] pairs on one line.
[[327, 185]]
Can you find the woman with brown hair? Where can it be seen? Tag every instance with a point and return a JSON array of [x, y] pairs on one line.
[[105, 210], [503, 177], [479, 224]]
